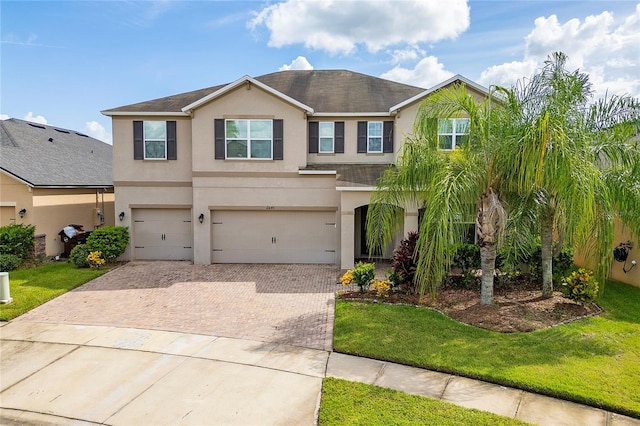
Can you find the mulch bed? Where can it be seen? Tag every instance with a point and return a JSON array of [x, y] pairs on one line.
[[513, 310]]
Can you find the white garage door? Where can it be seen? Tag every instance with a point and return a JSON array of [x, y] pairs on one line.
[[274, 236], [162, 234]]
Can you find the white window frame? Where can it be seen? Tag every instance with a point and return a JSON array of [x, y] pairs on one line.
[[369, 137], [333, 137], [455, 136], [145, 140], [248, 139]]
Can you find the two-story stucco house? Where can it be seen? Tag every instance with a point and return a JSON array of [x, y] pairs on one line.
[[272, 169]]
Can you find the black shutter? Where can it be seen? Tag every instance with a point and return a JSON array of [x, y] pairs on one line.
[[387, 136], [339, 137], [314, 137], [362, 136], [172, 147], [138, 140], [277, 139], [219, 138]]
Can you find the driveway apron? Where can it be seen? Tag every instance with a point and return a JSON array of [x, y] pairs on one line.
[[174, 343]]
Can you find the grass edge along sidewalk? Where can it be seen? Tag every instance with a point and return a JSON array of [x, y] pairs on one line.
[[31, 287], [591, 361]]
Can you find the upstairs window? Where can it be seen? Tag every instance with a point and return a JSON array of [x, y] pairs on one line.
[[327, 133], [237, 139], [374, 136], [452, 132], [155, 140], [249, 139]]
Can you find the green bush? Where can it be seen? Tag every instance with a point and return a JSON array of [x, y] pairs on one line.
[[111, 241], [562, 263], [9, 262], [78, 256], [17, 239], [581, 286], [467, 257], [363, 274]]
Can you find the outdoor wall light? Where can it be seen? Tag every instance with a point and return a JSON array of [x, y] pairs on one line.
[[121, 216], [201, 217], [22, 213], [633, 263]]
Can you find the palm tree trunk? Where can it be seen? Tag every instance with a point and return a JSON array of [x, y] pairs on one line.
[[547, 254], [488, 262]]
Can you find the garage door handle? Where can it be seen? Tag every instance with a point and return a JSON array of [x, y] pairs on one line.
[[330, 251]]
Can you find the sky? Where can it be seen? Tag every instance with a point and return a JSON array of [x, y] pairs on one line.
[[62, 62]]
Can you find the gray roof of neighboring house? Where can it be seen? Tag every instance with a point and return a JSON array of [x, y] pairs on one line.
[[325, 91], [353, 175], [48, 156]]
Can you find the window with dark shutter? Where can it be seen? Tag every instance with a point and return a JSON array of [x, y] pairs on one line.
[[362, 136], [313, 137], [278, 133], [172, 146], [339, 135], [219, 138], [138, 140], [387, 144]]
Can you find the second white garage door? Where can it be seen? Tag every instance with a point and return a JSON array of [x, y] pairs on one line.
[[273, 236]]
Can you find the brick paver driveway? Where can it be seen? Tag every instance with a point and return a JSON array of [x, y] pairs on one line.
[[292, 304]]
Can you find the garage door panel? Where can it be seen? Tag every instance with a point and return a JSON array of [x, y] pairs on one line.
[[274, 237], [162, 234]]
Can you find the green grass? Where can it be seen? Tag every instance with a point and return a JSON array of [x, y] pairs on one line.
[[594, 361], [349, 403], [34, 286]]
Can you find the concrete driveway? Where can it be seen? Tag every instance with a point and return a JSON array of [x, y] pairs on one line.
[[174, 343]]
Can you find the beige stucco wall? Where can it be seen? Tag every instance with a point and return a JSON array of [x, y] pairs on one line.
[[253, 103], [14, 196]]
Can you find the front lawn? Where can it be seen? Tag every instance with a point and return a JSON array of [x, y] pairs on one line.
[[594, 361], [34, 286], [347, 403]]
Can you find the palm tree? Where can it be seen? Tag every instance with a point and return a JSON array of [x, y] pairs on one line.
[[568, 157], [449, 185]]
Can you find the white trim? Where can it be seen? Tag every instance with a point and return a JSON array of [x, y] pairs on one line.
[[427, 92], [141, 113], [238, 83], [356, 188], [317, 172], [8, 204], [353, 114]]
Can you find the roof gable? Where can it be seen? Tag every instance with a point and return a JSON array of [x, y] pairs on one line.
[[316, 91], [47, 156]]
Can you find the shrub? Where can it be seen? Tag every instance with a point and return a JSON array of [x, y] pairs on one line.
[[403, 262], [17, 240], [111, 241], [382, 287], [362, 275], [562, 263], [9, 262], [95, 259], [581, 286], [78, 256], [467, 257]]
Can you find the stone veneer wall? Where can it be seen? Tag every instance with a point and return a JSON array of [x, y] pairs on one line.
[[38, 251]]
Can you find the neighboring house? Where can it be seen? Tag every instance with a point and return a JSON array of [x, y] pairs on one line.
[[52, 177], [272, 169]]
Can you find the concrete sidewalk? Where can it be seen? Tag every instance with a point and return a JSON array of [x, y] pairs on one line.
[[70, 374]]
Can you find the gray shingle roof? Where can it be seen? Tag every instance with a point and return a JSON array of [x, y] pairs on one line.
[[48, 156], [338, 91], [354, 175]]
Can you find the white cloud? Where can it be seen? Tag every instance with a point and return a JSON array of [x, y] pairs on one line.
[[299, 63], [427, 73], [599, 45], [4, 117], [339, 26], [35, 119], [402, 55], [97, 130]]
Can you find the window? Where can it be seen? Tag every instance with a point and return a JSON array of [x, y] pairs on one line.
[[326, 137], [453, 132], [374, 136], [155, 140], [249, 139]]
